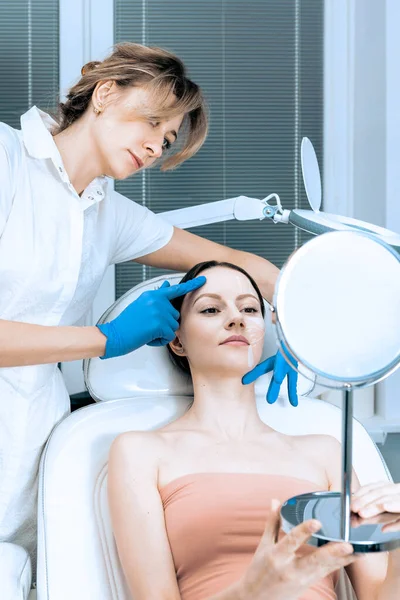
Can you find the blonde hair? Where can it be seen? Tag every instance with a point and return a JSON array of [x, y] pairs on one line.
[[162, 74]]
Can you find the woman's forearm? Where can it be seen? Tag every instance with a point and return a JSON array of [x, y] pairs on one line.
[[25, 344], [263, 272]]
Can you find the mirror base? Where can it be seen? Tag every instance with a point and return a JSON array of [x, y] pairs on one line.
[[365, 535]]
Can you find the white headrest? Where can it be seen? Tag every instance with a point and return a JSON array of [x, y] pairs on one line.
[[150, 369]]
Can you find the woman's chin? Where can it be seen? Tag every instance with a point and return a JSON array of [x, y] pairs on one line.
[[233, 369], [119, 173]]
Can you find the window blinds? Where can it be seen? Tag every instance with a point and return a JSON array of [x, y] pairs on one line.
[[29, 57]]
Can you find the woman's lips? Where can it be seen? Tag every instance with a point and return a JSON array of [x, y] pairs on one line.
[[135, 160], [236, 340]]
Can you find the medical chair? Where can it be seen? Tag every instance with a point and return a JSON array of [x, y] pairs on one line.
[[77, 557]]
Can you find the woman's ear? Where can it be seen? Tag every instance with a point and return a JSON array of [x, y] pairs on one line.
[[103, 92], [177, 348]]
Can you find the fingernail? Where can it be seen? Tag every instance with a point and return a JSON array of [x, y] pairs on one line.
[[314, 526], [275, 504]]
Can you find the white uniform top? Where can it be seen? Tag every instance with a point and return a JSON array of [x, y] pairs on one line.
[[54, 250]]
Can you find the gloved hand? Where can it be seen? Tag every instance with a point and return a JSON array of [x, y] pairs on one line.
[[281, 369], [150, 319]]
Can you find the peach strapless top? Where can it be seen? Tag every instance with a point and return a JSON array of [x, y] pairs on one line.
[[214, 523]]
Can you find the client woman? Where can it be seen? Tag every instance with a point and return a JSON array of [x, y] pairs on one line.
[[194, 505]]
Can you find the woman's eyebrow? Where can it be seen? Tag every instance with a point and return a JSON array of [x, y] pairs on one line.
[[246, 295], [218, 297]]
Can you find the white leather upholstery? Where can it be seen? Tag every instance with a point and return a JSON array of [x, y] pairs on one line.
[[15, 572], [77, 557]]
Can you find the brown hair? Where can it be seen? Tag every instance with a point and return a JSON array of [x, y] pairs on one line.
[[181, 361], [163, 74]]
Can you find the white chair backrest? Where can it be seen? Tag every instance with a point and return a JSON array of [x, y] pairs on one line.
[[150, 369], [77, 557]]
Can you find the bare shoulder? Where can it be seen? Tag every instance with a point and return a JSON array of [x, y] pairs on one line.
[[315, 445], [131, 439], [318, 448], [322, 448], [324, 451], [137, 449], [316, 442]]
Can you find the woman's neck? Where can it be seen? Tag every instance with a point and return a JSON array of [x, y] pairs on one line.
[[78, 155], [224, 406]]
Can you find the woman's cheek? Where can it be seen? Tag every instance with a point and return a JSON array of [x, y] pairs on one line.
[[198, 331], [255, 332]]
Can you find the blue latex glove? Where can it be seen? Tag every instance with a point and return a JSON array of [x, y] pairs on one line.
[[281, 369], [150, 319]]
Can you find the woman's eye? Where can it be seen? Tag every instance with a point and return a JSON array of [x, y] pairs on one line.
[[251, 309], [166, 144], [211, 310]]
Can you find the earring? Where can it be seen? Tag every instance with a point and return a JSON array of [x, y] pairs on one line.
[[98, 110]]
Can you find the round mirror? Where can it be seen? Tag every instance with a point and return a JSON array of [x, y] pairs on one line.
[[311, 174], [337, 305]]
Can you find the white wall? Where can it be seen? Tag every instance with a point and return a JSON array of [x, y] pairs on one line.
[[355, 109], [393, 114], [369, 112]]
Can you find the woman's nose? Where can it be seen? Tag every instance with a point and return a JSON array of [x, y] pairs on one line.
[[153, 148], [236, 321]]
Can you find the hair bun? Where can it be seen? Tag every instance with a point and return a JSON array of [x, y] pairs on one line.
[[89, 66]]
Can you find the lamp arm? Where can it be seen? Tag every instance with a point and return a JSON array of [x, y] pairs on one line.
[[240, 208]]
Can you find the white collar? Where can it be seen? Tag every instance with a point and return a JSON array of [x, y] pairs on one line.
[[36, 127]]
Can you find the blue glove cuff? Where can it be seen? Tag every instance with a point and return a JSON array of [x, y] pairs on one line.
[[112, 343]]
